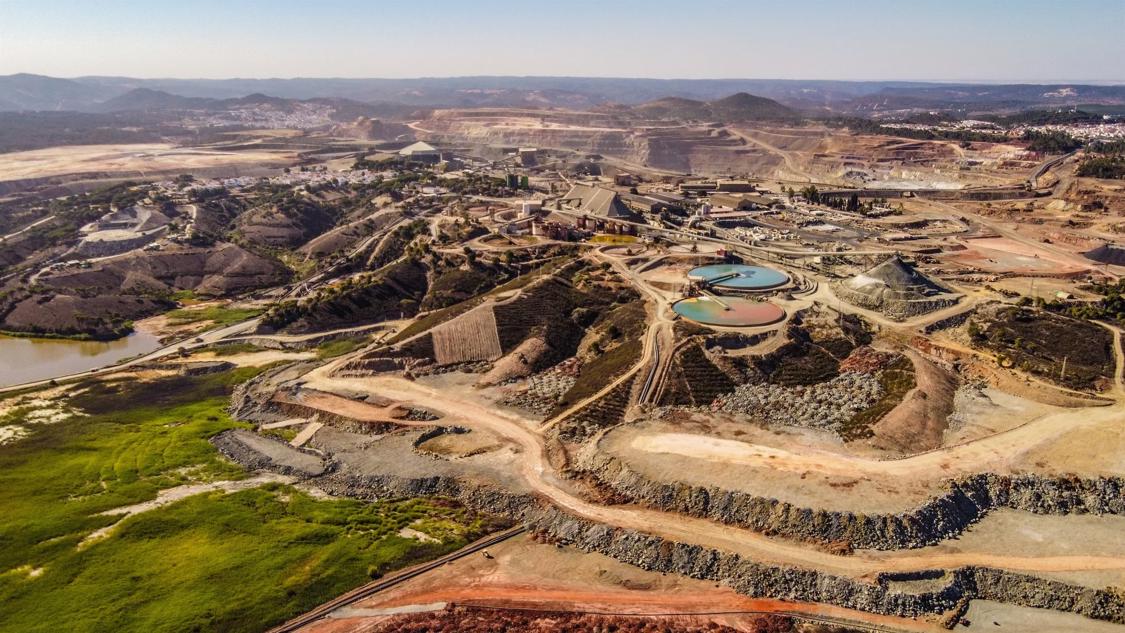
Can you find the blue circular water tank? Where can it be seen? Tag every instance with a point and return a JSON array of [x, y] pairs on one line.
[[738, 277]]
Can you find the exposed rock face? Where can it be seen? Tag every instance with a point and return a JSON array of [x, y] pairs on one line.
[[965, 502], [114, 243], [100, 317], [246, 404], [745, 576], [481, 498], [684, 148], [291, 409], [949, 322], [262, 453], [252, 400], [821, 405], [193, 368], [755, 579], [1108, 254], [371, 129], [942, 591]]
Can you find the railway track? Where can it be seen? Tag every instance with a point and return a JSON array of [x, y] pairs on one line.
[[646, 389], [383, 584]]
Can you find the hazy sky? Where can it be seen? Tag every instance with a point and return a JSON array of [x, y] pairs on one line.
[[987, 40]]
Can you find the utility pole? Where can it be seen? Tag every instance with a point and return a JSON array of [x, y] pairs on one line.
[[1062, 374]]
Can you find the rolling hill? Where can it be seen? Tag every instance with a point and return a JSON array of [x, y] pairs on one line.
[[740, 106]]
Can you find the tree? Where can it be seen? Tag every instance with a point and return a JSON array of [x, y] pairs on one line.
[[811, 194]]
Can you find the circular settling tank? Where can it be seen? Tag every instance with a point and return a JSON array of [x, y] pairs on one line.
[[738, 277], [728, 311]]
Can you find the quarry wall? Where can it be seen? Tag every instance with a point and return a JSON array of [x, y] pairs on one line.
[[939, 591], [942, 591], [756, 579], [965, 501]]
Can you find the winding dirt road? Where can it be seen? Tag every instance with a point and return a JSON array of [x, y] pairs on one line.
[[1001, 452], [540, 477]]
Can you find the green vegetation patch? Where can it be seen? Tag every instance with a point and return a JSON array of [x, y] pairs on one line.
[[233, 349], [228, 562], [391, 293], [395, 244], [1109, 167], [210, 562], [456, 285], [219, 316], [1062, 350], [341, 346], [602, 371], [696, 381], [1051, 141], [613, 239], [805, 365], [138, 439], [1111, 306]]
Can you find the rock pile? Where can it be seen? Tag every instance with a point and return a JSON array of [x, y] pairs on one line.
[[969, 396], [867, 361], [896, 289], [543, 392], [823, 405]]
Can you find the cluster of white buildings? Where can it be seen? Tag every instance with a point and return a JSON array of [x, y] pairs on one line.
[[1109, 131], [303, 116], [952, 126]]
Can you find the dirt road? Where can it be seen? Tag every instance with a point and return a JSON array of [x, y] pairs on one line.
[[539, 475], [786, 157]]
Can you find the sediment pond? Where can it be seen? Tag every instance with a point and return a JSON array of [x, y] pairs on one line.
[[29, 359]]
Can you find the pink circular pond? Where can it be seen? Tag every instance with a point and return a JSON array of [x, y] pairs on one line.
[[728, 311]]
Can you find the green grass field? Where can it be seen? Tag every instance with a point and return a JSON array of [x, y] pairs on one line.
[[219, 316], [210, 562], [339, 347], [233, 349]]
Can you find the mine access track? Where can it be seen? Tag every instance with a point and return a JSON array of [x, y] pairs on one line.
[[796, 615], [376, 586]]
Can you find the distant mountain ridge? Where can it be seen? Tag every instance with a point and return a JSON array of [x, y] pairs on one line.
[[90, 94], [145, 99], [740, 106]]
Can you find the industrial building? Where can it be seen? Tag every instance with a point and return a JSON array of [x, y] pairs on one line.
[[421, 152], [601, 209], [739, 201]]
